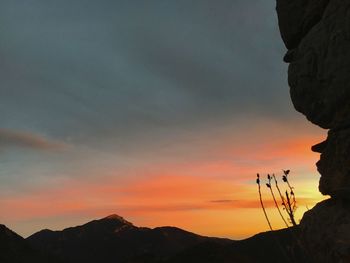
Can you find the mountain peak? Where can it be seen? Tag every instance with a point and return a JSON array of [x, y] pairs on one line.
[[115, 217], [118, 218]]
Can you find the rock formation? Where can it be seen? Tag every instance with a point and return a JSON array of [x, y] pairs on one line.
[[317, 36]]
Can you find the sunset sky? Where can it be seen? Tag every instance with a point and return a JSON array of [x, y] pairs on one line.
[[159, 111]]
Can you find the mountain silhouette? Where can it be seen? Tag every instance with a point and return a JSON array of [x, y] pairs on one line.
[[15, 249], [114, 239]]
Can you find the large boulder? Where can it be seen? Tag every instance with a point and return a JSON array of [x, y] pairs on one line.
[[325, 231], [319, 76], [317, 35]]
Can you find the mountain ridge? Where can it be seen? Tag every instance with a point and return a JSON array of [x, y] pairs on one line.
[[115, 239]]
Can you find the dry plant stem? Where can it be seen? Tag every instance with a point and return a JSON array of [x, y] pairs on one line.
[[263, 207], [278, 189], [290, 187], [294, 202], [290, 210], [277, 206], [291, 191], [281, 196]]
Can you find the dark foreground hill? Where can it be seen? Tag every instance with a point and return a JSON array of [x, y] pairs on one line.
[[279, 246], [15, 249], [113, 239]]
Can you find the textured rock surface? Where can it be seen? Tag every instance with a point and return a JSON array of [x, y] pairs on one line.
[[317, 34], [327, 234], [297, 17], [319, 79], [334, 164], [318, 73]]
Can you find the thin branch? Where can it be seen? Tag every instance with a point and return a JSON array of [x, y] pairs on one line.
[[281, 196], [274, 198], [261, 202], [293, 202], [290, 210]]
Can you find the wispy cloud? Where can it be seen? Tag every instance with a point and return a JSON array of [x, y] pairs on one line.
[[22, 139]]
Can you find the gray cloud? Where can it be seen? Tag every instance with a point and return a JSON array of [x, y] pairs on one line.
[[95, 70], [123, 76], [10, 138]]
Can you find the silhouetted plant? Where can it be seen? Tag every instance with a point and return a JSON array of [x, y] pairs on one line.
[[288, 200], [261, 200], [269, 185], [288, 204]]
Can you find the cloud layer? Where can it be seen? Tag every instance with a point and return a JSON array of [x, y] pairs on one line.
[[20, 139], [96, 71]]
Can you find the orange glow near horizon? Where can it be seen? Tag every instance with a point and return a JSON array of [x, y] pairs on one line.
[[214, 195]]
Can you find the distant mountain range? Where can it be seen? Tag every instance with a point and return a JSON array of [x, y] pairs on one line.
[[113, 239]]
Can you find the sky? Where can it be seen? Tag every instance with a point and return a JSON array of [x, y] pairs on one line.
[[159, 111]]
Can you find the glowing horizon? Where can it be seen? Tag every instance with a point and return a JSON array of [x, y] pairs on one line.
[[215, 181]]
